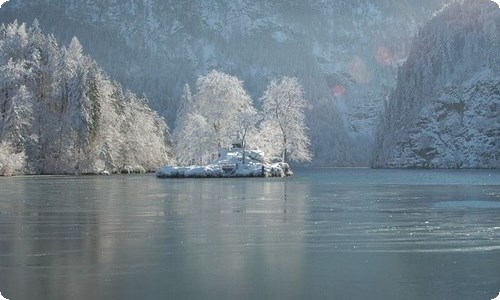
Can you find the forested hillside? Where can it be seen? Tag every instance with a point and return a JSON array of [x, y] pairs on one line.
[[445, 111], [61, 114], [345, 53]]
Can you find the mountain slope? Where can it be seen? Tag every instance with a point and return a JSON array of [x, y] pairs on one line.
[[345, 53], [444, 112]]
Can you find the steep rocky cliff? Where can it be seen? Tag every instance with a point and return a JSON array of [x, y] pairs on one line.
[[344, 52], [444, 112]]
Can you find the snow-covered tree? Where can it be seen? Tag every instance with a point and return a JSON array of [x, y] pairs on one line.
[[18, 118], [183, 120], [267, 140], [149, 151], [226, 106], [16, 77], [283, 106], [246, 128], [192, 146], [60, 114], [185, 107], [12, 76], [11, 162], [221, 110]]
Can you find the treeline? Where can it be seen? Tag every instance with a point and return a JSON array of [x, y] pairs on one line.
[[60, 114]]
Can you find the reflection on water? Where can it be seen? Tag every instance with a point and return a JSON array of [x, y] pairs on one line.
[[335, 234]]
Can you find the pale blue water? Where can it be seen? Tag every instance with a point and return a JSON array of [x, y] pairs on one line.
[[324, 234]]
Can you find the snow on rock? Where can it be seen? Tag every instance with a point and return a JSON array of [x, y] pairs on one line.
[[229, 164], [444, 112], [461, 129]]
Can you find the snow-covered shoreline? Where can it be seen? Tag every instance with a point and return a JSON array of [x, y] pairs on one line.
[[230, 164], [222, 171]]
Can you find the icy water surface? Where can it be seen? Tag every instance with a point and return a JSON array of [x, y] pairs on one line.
[[324, 234]]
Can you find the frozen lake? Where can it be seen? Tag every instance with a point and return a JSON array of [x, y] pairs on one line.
[[323, 234]]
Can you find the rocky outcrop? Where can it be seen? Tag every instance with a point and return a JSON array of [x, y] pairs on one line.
[[231, 164], [445, 111]]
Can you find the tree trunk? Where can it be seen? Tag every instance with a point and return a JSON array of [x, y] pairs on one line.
[[285, 154], [244, 146]]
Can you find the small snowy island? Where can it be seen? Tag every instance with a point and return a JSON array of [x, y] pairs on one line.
[[235, 162], [221, 125]]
